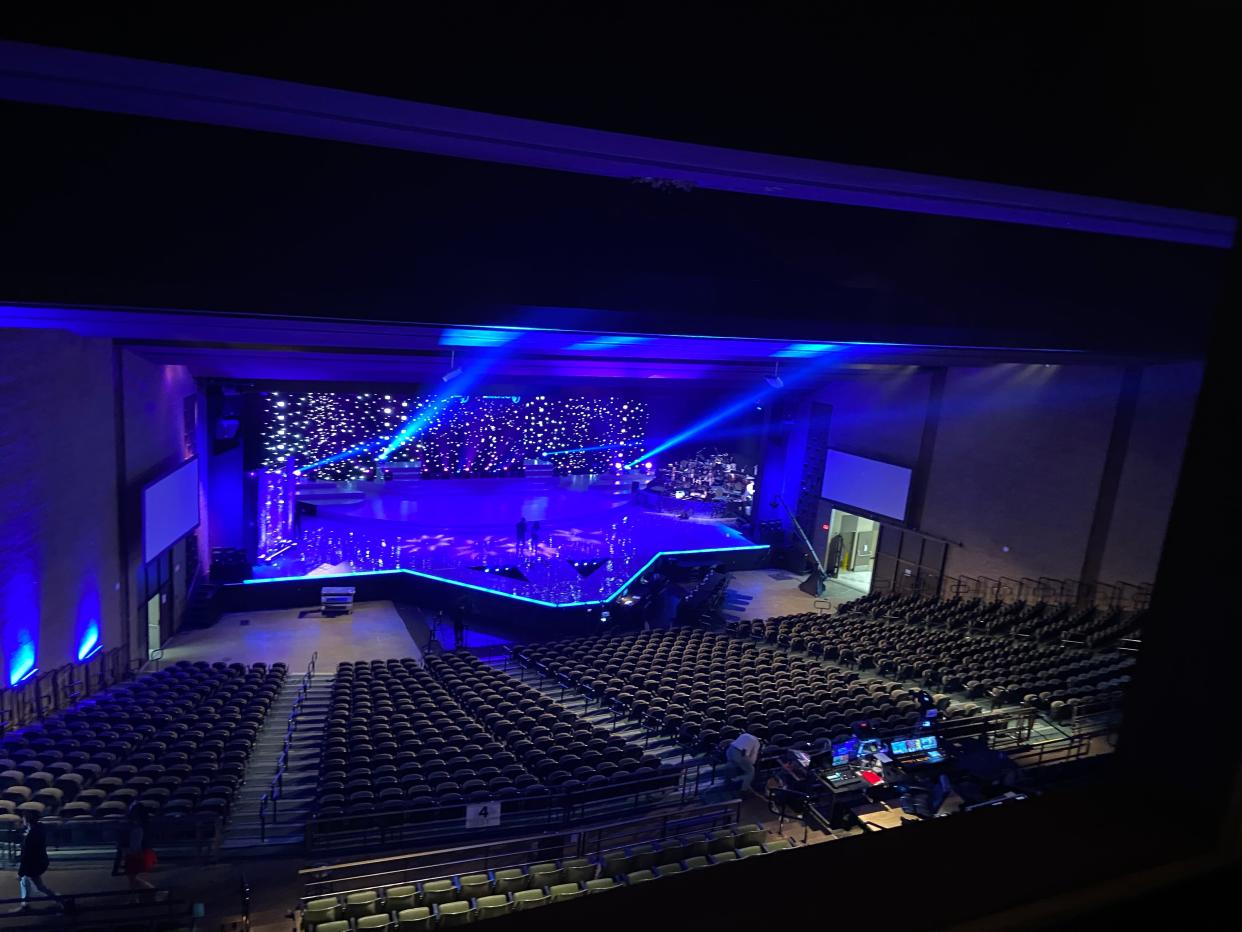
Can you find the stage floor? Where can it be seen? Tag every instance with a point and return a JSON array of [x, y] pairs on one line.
[[463, 531]]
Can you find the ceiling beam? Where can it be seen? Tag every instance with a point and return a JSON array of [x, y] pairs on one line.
[[84, 80]]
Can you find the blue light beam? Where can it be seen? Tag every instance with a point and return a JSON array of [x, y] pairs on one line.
[[471, 375], [723, 414], [355, 450], [736, 407]]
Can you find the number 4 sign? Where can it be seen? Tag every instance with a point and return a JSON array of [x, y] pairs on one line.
[[483, 815]]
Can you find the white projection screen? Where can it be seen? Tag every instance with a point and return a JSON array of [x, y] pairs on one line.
[[169, 509], [869, 485]]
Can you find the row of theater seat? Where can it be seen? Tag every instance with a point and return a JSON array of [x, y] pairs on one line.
[[703, 688], [570, 755], [1002, 669], [419, 744], [468, 898], [1041, 620], [177, 741]]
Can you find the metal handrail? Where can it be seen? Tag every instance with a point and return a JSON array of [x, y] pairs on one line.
[[276, 787], [1122, 595], [61, 688], [513, 852], [1050, 752], [564, 811], [160, 909]]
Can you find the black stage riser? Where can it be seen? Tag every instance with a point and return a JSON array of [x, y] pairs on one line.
[[432, 594]]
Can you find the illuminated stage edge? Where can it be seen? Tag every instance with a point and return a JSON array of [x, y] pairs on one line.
[[432, 592]]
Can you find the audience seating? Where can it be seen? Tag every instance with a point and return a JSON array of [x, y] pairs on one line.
[[1040, 620], [423, 743], [465, 898], [703, 688], [955, 659], [565, 751], [177, 741]]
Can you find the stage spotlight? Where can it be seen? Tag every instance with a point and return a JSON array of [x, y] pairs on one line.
[[454, 369], [774, 380]]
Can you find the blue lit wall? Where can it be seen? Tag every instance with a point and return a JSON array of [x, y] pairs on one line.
[[19, 601], [59, 567], [476, 435]]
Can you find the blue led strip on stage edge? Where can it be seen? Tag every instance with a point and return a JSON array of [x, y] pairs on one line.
[[507, 595]]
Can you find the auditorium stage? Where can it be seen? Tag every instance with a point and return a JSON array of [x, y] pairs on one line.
[[596, 536]]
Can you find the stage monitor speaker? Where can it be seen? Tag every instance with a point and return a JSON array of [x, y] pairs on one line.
[[814, 584]]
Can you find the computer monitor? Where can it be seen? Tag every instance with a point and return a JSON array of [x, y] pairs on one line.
[[844, 752], [914, 745], [869, 746]]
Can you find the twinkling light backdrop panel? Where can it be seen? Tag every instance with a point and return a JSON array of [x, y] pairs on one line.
[[339, 435]]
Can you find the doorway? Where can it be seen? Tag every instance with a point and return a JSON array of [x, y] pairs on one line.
[[154, 605], [850, 555], [159, 599]]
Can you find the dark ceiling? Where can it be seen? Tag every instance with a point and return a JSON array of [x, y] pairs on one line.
[[1123, 100], [130, 211]]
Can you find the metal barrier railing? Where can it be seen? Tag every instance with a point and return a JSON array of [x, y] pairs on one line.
[[1051, 752], [513, 852], [45, 693], [197, 837], [1120, 595], [564, 811], [276, 787], [111, 909], [1095, 719]]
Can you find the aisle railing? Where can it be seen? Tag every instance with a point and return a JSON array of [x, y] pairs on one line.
[[276, 787], [1120, 595], [41, 694], [567, 811], [593, 841]]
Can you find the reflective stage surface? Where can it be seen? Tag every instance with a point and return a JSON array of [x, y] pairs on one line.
[[594, 536]]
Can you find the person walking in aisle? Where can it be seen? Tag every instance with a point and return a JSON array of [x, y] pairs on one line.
[[33, 862], [139, 856]]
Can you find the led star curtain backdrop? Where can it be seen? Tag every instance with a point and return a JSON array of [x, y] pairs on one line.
[[338, 435]]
